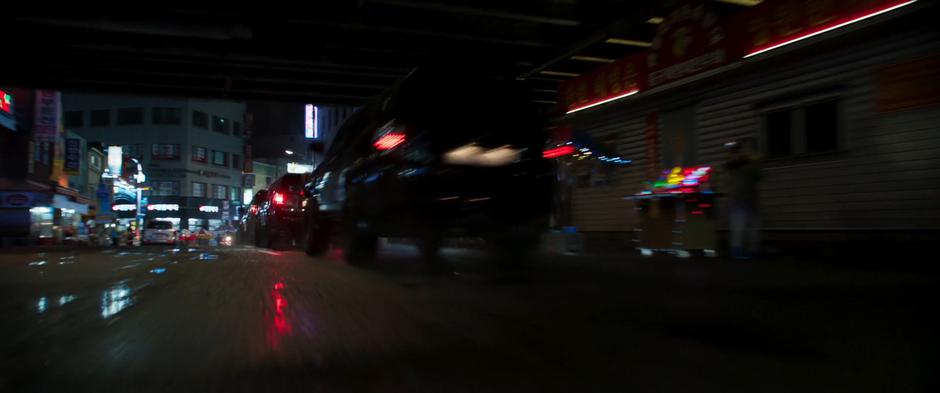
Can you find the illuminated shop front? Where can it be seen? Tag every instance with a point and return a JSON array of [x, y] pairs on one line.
[[845, 92]]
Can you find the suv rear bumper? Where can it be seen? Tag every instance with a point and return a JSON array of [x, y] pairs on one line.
[[459, 200]]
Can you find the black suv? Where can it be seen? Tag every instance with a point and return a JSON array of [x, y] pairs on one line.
[[439, 155], [249, 218], [280, 214]]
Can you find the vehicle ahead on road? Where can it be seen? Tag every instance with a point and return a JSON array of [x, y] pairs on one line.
[[436, 156], [280, 215], [159, 232], [249, 218]]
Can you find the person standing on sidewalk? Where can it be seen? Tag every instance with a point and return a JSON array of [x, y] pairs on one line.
[[744, 175]]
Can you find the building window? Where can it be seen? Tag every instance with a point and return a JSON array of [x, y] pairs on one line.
[[100, 118], [73, 119], [236, 160], [219, 124], [130, 116], [164, 188], [236, 194], [219, 191], [805, 128], [779, 134], [166, 115], [131, 151], [219, 158], [200, 154], [165, 151], [267, 181], [94, 161], [199, 189], [236, 128], [822, 125], [200, 119]]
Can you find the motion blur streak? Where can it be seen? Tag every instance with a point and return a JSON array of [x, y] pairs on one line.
[[279, 326]]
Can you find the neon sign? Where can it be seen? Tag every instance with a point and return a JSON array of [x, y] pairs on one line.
[[164, 207], [6, 102]]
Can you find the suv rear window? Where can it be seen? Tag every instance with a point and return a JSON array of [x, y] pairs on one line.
[[160, 225], [454, 114], [290, 182]]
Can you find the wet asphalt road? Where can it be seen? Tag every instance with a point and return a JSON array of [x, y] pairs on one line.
[[240, 319]]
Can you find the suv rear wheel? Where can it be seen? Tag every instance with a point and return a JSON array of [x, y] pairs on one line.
[[316, 238], [361, 247]]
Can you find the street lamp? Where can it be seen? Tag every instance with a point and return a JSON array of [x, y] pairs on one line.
[[288, 152]]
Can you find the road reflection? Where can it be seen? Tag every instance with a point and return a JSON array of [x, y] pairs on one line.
[[115, 299], [280, 326]]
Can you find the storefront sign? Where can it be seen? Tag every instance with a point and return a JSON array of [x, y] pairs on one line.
[[691, 40], [213, 174], [209, 209], [73, 154], [124, 207], [167, 172], [607, 83], [909, 85], [47, 119], [15, 199], [776, 23], [164, 207]]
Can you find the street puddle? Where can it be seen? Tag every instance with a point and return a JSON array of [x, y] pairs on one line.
[[66, 299], [207, 257], [116, 299]]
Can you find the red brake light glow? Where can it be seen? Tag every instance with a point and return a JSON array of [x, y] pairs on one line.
[[278, 198], [558, 152], [389, 141]]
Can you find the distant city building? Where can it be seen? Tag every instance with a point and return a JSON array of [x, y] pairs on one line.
[[192, 151]]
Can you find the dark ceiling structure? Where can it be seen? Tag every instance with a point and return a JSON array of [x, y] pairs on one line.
[[322, 52]]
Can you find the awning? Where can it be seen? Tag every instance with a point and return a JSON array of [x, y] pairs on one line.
[[63, 202]]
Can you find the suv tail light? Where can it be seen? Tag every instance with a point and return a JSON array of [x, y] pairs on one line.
[[389, 136], [278, 198]]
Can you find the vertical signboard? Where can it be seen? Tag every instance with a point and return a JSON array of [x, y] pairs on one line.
[[46, 122], [73, 154], [311, 122], [115, 160]]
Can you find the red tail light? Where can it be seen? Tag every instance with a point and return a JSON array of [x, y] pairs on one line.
[[278, 198], [389, 136], [558, 152], [389, 141]]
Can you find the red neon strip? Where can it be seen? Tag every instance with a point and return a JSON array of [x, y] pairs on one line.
[[604, 101], [558, 152], [389, 141], [825, 28], [697, 212]]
